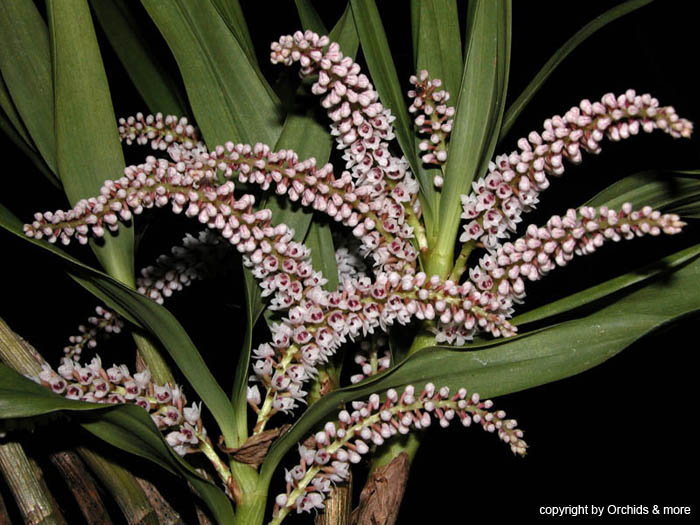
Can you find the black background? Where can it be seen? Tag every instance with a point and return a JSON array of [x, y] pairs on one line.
[[623, 433]]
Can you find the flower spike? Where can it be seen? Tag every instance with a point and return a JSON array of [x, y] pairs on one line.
[[105, 321], [158, 130], [434, 118], [197, 258], [321, 322], [326, 457], [579, 232], [514, 181], [362, 127]]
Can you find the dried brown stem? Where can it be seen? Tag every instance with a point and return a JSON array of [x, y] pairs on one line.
[[4, 514], [338, 505], [34, 502], [82, 485], [381, 497], [166, 514], [122, 485]]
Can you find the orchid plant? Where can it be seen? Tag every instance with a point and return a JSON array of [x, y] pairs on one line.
[[380, 279]]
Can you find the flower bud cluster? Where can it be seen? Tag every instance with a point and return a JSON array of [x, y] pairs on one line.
[[316, 326], [158, 130], [116, 385], [369, 360], [514, 181], [326, 458], [362, 127], [434, 118], [555, 244], [198, 258], [375, 220], [105, 321]]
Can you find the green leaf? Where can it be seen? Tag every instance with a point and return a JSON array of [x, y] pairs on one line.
[[345, 33], [87, 140], [511, 365], [146, 314], [11, 124], [239, 399], [375, 48], [320, 241], [232, 14], [307, 138], [437, 48], [309, 17], [651, 188], [608, 288], [229, 99], [8, 128], [12, 118], [478, 113], [670, 191], [536, 83], [25, 61], [132, 44], [126, 427]]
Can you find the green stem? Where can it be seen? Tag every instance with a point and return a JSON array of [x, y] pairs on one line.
[[251, 510], [418, 229], [438, 262], [221, 468], [461, 262], [160, 371], [266, 410]]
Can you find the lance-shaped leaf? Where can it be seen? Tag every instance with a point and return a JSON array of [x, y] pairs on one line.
[[503, 366], [345, 33], [133, 45], [437, 48], [516, 108], [608, 288], [254, 308], [126, 427], [658, 190], [671, 192], [478, 113], [310, 19], [25, 61], [437, 44], [12, 118], [147, 314], [11, 124], [382, 71], [229, 99], [87, 140], [320, 242], [232, 14]]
